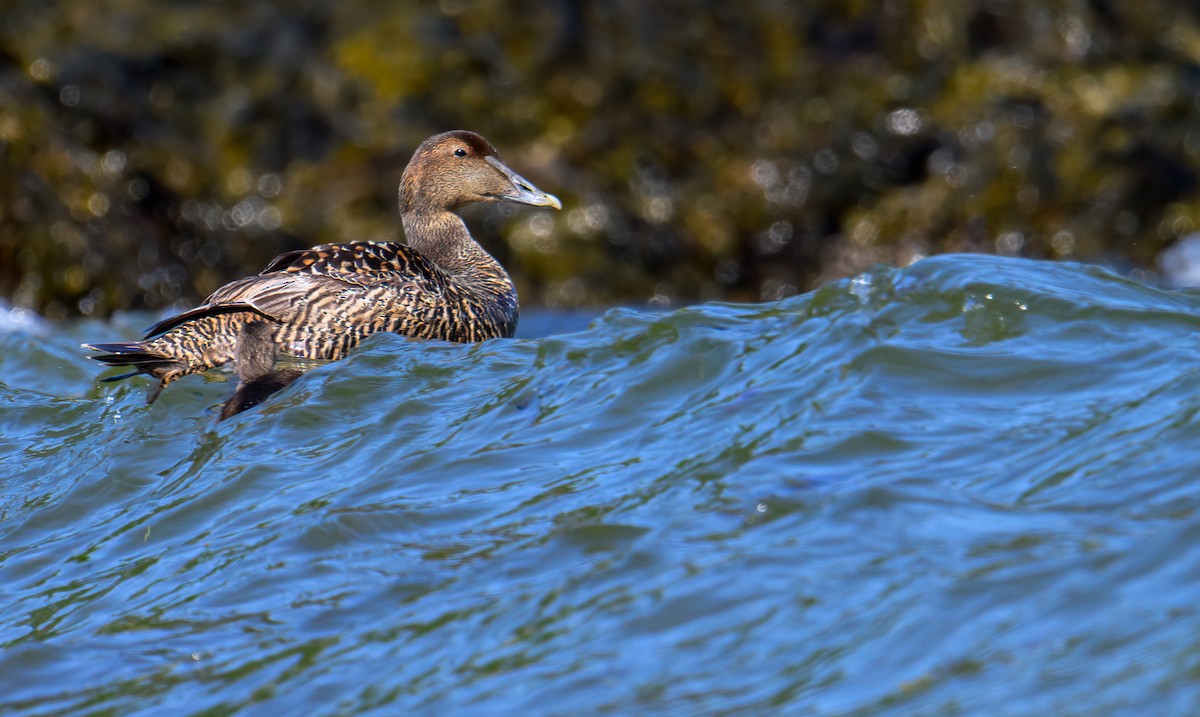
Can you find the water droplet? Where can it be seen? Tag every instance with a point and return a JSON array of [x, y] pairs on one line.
[[860, 286], [904, 122], [864, 145], [113, 162], [138, 188], [597, 216], [657, 210], [269, 185], [1063, 243], [826, 161], [774, 239], [69, 96], [766, 174], [727, 272], [244, 213], [39, 70], [239, 181], [269, 218], [98, 204], [1010, 243]]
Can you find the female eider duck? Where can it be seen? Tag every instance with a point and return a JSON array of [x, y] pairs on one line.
[[322, 302]]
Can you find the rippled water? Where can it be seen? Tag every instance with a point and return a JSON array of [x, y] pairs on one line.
[[965, 487]]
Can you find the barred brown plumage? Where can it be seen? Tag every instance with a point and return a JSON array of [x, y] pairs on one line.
[[321, 302]]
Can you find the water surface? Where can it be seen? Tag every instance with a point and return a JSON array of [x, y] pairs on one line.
[[964, 487]]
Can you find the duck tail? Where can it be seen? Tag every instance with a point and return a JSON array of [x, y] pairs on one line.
[[193, 341], [137, 355], [132, 353]]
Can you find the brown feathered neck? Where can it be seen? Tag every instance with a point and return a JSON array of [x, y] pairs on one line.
[[442, 237], [432, 189]]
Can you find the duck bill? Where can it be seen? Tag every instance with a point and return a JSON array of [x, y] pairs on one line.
[[523, 191]]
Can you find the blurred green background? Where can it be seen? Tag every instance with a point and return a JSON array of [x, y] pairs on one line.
[[152, 151]]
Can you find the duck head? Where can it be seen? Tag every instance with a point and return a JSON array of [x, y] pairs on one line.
[[453, 169]]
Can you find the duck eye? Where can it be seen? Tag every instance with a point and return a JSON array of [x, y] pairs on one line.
[[460, 152]]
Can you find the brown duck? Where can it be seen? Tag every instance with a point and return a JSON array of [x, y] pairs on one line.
[[322, 302]]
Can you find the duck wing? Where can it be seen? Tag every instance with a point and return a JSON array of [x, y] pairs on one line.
[[330, 288], [203, 310], [356, 263]]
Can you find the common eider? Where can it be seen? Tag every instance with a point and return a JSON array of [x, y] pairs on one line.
[[321, 302]]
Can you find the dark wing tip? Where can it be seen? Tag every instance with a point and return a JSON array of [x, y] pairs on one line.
[[120, 377], [202, 311], [251, 393]]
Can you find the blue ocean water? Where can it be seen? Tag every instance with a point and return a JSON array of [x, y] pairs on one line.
[[964, 487]]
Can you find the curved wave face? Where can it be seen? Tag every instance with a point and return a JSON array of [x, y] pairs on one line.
[[964, 487]]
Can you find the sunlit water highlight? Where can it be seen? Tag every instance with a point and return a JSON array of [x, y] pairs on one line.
[[964, 487]]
